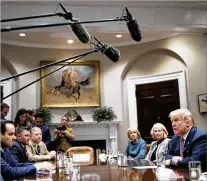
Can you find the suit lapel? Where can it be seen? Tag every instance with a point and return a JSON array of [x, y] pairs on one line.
[[23, 156], [7, 157], [189, 139]]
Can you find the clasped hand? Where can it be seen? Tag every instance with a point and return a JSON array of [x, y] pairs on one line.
[[60, 133], [175, 160]]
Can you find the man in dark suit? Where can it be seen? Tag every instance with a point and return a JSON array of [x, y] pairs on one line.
[[18, 149], [46, 136], [189, 142], [10, 169]]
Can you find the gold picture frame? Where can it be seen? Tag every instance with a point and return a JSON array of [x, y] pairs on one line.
[[202, 103], [75, 85]]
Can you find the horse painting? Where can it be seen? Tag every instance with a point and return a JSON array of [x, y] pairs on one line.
[[68, 82]]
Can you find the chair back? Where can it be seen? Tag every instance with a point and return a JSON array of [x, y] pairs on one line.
[[83, 155], [148, 147]]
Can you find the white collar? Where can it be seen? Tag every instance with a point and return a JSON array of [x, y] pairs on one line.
[[186, 134]]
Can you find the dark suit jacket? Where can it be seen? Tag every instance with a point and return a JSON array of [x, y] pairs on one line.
[[18, 153], [46, 136], [195, 148], [10, 169]]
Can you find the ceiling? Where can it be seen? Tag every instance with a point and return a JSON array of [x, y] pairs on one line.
[[150, 15]]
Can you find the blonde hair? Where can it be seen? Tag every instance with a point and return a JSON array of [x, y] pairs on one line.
[[130, 130], [162, 127], [181, 113]]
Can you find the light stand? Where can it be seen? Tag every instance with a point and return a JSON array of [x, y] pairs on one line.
[[110, 52], [67, 16], [40, 78], [8, 29], [45, 66]]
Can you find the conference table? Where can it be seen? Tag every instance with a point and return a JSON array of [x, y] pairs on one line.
[[110, 172]]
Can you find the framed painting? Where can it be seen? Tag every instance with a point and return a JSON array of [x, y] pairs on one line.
[[74, 85], [202, 103]]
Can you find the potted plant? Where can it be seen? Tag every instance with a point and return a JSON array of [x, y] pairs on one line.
[[103, 114], [46, 114]]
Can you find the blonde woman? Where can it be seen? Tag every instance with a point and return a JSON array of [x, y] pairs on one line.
[[136, 147], [159, 147]]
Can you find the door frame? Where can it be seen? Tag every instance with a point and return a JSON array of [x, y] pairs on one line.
[[133, 81]]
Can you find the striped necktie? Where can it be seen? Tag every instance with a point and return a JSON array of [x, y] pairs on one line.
[[182, 143]]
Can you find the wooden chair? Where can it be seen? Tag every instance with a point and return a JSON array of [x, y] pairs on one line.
[[79, 152], [148, 147]]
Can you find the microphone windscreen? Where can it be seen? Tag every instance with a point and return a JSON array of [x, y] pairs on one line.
[[80, 32], [112, 53], [134, 30]]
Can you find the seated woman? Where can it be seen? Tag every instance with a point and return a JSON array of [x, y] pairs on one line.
[[64, 135], [21, 119], [159, 147], [136, 147]]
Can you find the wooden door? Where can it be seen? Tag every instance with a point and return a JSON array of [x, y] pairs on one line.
[[154, 103]]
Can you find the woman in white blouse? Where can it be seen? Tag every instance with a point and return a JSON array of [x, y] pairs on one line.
[[160, 146]]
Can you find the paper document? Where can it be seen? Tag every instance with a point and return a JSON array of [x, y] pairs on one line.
[[81, 157], [145, 167]]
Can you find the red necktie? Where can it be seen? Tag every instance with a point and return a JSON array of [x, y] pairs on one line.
[[182, 143], [25, 150]]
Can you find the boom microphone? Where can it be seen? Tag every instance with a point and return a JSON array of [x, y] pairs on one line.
[[81, 32], [133, 27], [112, 53], [78, 29]]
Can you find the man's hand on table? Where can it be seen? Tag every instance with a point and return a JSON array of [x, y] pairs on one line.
[[43, 166]]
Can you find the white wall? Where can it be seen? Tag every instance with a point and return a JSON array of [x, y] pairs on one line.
[[188, 52]]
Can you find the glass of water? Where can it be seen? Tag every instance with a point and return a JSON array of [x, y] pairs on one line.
[[194, 170]]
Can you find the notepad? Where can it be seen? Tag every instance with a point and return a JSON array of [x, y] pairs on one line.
[[145, 167], [165, 174]]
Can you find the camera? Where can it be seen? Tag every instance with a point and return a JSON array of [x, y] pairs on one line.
[[61, 128]]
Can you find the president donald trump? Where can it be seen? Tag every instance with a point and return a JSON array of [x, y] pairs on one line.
[[189, 142]]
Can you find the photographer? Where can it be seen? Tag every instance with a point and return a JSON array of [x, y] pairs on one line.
[[64, 135]]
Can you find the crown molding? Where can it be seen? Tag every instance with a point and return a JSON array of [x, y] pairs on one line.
[[179, 5]]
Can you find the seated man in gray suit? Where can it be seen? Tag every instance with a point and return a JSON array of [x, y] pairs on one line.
[[36, 149]]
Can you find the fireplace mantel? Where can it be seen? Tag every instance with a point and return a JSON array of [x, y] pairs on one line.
[[92, 130], [87, 123]]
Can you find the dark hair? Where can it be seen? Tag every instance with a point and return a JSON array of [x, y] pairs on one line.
[[30, 112], [19, 113], [4, 105], [21, 129], [38, 115], [3, 125]]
